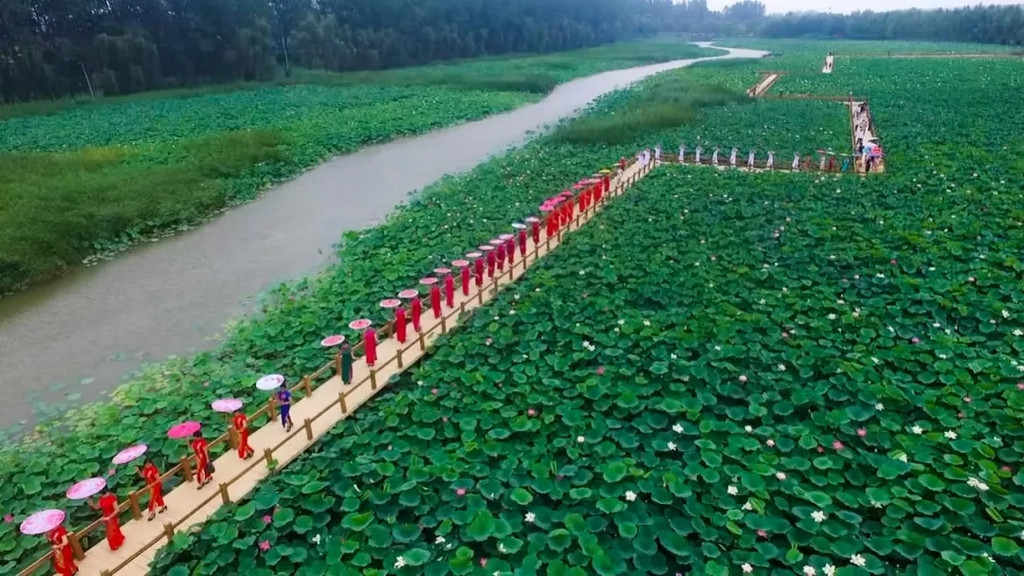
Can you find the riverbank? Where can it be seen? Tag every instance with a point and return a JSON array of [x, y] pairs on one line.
[[87, 183]]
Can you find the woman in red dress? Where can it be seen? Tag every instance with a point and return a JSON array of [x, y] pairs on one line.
[[401, 324], [202, 452], [242, 427], [108, 506], [370, 346], [156, 489], [63, 557]]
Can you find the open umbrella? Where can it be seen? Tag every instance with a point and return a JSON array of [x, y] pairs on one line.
[[270, 382], [361, 324], [331, 341], [226, 405], [86, 488], [42, 522], [184, 430], [131, 453]]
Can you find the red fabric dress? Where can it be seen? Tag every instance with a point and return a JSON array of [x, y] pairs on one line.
[[200, 448], [242, 427], [63, 557], [522, 242], [417, 311], [400, 324], [490, 264], [449, 291], [108, 505], [464, 275], [435, 298], [535, 231], [478, 267], [156, 489], [370, 346]]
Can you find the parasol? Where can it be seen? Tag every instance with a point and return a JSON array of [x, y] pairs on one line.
[[86, 488], [42, 522], [131, 453], [185, 429]]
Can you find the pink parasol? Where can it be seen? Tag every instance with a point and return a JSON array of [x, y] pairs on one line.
[[532, 219], [270, 382], [442, 271], [334, 340], [592, 181], [410, 293], [546, 208], [505, 237], [519, 226], [474, 255], [428, 281], [497, 242], [361, 324], [485, 247], [579, 186], [390, 303], [226, 405], [460, 263], [131, 453], [42, 522], [86, 488], [184, 430]]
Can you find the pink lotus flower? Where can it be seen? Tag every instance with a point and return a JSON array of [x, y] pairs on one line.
[[821, 449], [1020, 385], [862, 432], [785, 334], [600, 370], [433, 391], [8, 518], [1006, 468], [770, 443], [961, 415], [267, 518], [265, 545], [967, 399], [743, 378], [460, 491], [915, 340], [489, 341], [838, 445], [762, 533], [531, 412], [483, 562], [893, 261]]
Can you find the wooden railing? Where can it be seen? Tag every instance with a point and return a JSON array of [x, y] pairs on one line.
[[306, 386]]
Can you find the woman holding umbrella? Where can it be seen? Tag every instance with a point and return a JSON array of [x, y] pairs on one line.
[[63, 557], [108, 506], [151, 475], [204, 469], [284, 405]]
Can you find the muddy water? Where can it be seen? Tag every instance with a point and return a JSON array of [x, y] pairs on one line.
[[91, 327]]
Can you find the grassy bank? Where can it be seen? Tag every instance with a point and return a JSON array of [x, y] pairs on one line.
[[150, 164]]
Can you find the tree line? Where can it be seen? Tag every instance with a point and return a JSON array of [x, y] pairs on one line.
[[57, 48]]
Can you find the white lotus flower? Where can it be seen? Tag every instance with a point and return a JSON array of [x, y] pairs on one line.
[[917, 429], [780, 475], [530, 517], [879, 406], [630, 495], [580, 439], [901, 457], [829, 570], [439, 540], [782, 367], [647, 322], [732, 490], [819, 516], [678, 428], [747, 568], [672, 446], [1005, 314], [1018, 332], [809, 570], [858, 560], [316, 539], [950, 434], [748, 428], [399, 562], [748, 506]]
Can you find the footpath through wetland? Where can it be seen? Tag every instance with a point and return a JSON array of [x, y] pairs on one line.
[[97, 324]]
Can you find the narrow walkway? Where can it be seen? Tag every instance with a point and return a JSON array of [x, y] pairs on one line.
[[763, 86], [314, 416], [869, 135]]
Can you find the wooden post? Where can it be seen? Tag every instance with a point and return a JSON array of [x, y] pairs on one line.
[[462, 308], [308, 425], [76, 545], [186, 468], [444, 323], [133, 499], [268, 456], [169, 531], [480, 296], [307, 385], [273, 409], [105, 573], [337, 365], [399, 356], [423, 345], [373, 379], [341, 401], [224, 496]]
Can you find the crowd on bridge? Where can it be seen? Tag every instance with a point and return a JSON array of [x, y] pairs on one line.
[[820, 161]]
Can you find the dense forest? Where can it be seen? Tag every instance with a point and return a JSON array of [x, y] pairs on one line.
[[56, 48], [984, 24]]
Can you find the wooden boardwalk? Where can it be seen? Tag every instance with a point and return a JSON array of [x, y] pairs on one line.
[[314, 415]]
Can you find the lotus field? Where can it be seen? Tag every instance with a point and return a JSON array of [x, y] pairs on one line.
[[722, 373]]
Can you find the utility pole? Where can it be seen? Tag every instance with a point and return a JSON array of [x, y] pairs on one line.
[[87, 81]]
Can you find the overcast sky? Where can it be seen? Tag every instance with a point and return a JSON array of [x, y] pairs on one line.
[[775, 6]]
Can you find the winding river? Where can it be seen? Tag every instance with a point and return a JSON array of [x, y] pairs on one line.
[[93, 326]]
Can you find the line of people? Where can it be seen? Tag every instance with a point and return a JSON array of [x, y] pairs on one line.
[[827, 160], [866, 147]]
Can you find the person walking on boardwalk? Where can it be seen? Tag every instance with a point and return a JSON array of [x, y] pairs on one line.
[[151, 475], [435, 299], [682, 154], [242, 427], [63, 556], [770, 163], [696, 154], [345, 359], [369, 353], [204, 469], [714, 157], [108, 506], [750, 160], [283, 397], [796, 162], [732, 157], [401, 324]]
